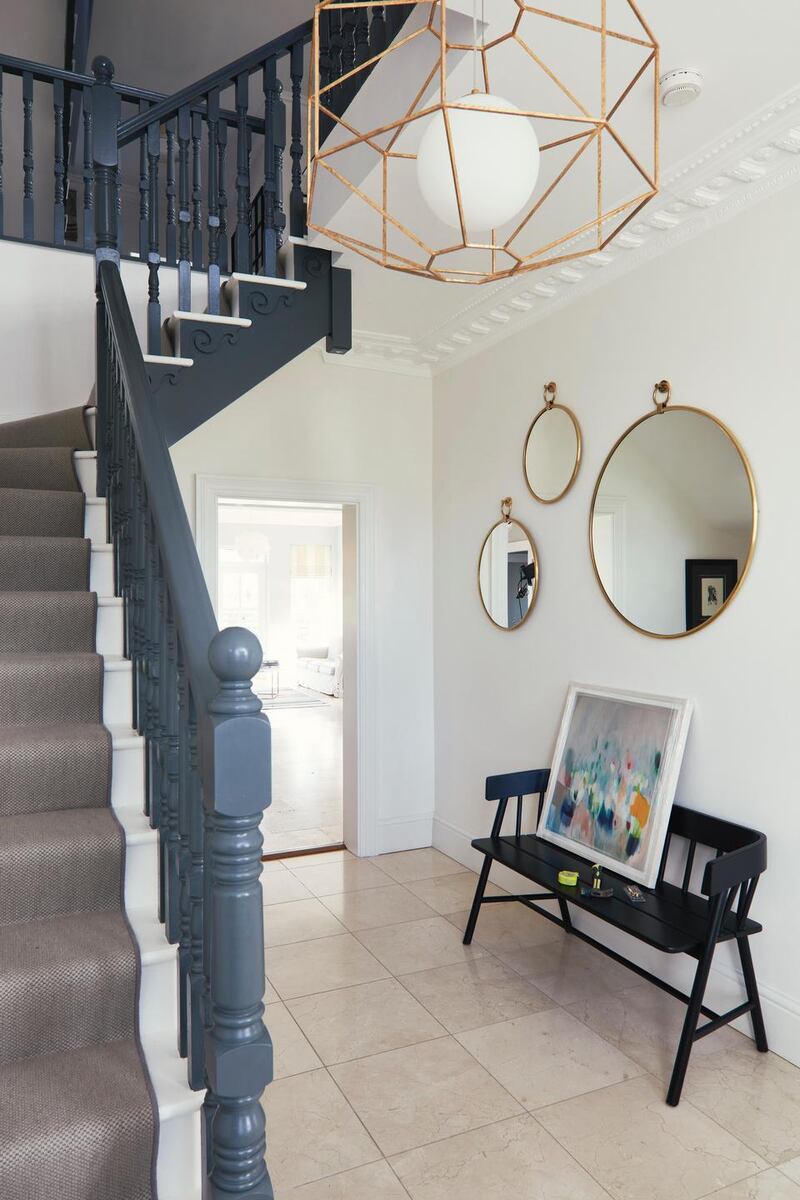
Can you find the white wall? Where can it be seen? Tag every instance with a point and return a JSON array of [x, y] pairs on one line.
[[47, 316], [315, 421], [718, 317]]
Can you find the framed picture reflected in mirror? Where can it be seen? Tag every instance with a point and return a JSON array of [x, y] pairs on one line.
[[709, 583]]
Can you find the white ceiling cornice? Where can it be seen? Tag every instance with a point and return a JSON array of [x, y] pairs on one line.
[[745, 166]]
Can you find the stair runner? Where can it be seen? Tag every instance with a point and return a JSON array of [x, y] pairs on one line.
[[77, 1114]]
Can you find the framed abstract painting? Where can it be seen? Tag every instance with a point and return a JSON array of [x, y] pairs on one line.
[[613, 778]]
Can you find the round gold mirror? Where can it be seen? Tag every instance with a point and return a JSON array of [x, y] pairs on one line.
[[552, 453], [673, 520], [508, 571]]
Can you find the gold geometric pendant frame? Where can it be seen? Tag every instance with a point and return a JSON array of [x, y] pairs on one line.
[[500, 257]]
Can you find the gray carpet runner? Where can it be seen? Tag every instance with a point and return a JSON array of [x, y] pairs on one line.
[[77, 1114]]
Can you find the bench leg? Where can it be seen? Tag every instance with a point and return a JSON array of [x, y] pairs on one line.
[[695, 1004], [759, 1031], [483, 879]]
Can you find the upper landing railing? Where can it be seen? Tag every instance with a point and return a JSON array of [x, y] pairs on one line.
[[199, 177]]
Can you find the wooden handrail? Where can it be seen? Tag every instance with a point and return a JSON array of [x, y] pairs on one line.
[[193, 611], [224, 77]]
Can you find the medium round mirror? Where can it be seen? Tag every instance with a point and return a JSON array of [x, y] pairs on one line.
[[552, 452], [508, 572], [673, 521]]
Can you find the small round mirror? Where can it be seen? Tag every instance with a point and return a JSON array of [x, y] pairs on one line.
[[552, 452], [673, 521], [508, 572]]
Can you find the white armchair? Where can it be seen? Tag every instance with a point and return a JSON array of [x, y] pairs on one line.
[[319, 668]]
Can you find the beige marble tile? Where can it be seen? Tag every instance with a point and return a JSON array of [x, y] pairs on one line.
[[638, 1148], [511, 1160], [756, 1096], [408, 865], [280, 887], [298, 921], [479, 992], [313, 1132], [319, 860], [769, 1185], [292, 1053], [350, 875], [646, 1024], [507, 928], [321, 965], [450, 893], [270, 995], [368, 909], [272, 866], [792, 1169], [568, 970], [368, 1019], [377, 1181], [421, 1094], [417, 945], [546, 1057]]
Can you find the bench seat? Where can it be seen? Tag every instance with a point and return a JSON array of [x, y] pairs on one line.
[[670, 919]]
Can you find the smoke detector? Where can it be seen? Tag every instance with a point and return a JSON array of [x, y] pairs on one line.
[[680, 87]]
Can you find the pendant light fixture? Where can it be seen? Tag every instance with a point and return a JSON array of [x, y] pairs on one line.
[[485, 143], [547, 168]]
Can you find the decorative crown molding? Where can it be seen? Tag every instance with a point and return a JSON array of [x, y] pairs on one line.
[[750, 162]]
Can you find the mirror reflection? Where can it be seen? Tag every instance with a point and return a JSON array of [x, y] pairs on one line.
[[552, 453], [673, 521], [508, 574]]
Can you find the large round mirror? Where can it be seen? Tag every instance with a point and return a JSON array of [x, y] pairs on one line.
[[552, 452], [508, 572], [673, 521]]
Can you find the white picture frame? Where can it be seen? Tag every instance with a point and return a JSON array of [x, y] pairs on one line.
[[613, 778]]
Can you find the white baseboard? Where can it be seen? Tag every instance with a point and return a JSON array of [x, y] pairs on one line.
[[725, 986], [405, 833]]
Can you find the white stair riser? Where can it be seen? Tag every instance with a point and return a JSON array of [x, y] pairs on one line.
[[110, 635], [86, 470], [101, 571], [141, 873], [91, 424], [94, 520], [179, 1156], [117, 700], [127, 776]]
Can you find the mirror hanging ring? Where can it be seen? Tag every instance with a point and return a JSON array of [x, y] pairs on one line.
[[508, 571], [677, 473], [551, 456]]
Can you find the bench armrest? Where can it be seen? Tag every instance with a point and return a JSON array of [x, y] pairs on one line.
[[736, 866]]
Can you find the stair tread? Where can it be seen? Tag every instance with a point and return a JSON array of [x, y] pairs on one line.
[[268, 280], [42, 764], [49, 969], [211, 319], [86, 1109]]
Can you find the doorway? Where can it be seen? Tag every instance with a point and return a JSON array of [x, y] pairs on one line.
[[319, 659]]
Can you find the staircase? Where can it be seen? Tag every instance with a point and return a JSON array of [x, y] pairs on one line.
[[134, 758]]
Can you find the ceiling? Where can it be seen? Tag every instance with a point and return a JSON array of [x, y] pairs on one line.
[[747, 55]]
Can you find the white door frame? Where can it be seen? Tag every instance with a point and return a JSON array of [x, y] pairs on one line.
[[210, 489]]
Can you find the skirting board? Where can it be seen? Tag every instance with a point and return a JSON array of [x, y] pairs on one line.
[[404, 833], [725, 986]]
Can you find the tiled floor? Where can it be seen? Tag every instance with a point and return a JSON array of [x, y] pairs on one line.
[[525, 1067]]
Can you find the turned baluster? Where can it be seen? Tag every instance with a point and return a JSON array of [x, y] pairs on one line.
[[212, 125], [153, 249], [59, 171], [171, 247], [184, 215], [297, 201], [27, 157], [197, 193]]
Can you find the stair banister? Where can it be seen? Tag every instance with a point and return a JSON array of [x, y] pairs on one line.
[[208, 755]]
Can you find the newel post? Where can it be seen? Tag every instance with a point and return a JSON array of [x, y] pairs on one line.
[[238, 1050]]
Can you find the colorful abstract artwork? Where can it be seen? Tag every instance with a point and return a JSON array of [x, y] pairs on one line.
[[614, 776]]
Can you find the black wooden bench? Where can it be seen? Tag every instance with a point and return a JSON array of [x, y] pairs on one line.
[[673, 918]]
